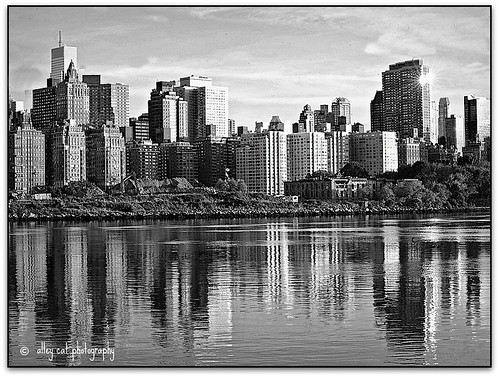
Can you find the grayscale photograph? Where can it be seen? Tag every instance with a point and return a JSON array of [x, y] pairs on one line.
[[248, 186]]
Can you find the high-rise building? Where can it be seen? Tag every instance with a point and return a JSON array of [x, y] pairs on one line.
[[26, 156], [43, 113], [320, 119], [28, 99], [140, 127], [232, 127], [434, 122], [476, 118], [142, 159], [455, 133], [276, 124], [178, 160], [207, 105], [59, 61], [168, 114], [443, 113], [307, 119], [409, 151], [376, 151], [406, 99], [212, 159], [68, 154], [72, 98], [261, 161], [338, 150], [107, 102], [213, 106], [377, 113], [340, 107], [106, 156], [307, 153]]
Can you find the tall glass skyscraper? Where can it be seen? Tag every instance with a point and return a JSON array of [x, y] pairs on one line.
[[406, 99], [60, 58]]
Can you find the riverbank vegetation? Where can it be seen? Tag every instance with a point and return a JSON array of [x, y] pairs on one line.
[[419, 188]]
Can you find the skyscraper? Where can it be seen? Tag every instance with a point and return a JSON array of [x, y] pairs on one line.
[[307, 153], [338, 150], [261, 161], [406, 98], [320, 118], [307, 119], [377, 113], [207, 105], [168, 114], [72, 98], [276, 124], [434, 122], [476, 118], [376, 151], [454, 133], [340, 107], [26, 156], [60, 58], [443, 113]]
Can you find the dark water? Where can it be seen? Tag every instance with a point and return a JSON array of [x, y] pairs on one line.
[[352, 291]]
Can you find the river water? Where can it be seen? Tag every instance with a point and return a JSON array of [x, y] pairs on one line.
[[344, 291]]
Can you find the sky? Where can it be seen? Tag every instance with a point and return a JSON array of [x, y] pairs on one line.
[[274, 60]]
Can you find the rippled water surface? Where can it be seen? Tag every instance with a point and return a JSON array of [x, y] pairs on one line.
[[349, 291]]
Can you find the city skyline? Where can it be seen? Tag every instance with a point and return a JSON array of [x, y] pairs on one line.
[[273, 60]]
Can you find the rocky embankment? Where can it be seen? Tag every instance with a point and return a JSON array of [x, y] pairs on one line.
[[194, 205]]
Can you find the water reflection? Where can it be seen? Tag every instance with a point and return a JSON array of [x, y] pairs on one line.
[[254, 292]]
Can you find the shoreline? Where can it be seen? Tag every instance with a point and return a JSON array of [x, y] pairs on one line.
[[132, 208]]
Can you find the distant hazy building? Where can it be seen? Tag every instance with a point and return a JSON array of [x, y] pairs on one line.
[[320, 119], [377, 113], [142, 159], [261, 161], [340, 113], [26, 156], [232, 127], [406, 99], [409, 151], [72, 98], [434, 113], [307, 118], [106, 155], [307, 153], [376, 151], [68, 154], [338, 150], [455, 133], [476, 118], [443, 113], [276, 124], [28, 99]]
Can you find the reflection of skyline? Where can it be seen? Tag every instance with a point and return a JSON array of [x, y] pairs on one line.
[[189, 292]]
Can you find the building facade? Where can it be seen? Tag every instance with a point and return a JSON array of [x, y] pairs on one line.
[[261, 161], [406, 99], [307, 153], [178, 160], [377, 113], [455, 133], [60, 58], [140, 127], [376, 151], [340, 113], [338, 150], [68, 154], [73, 98], [26, 157], [106, 156], [476, 118], [409, 151], [443, 113], [327, 189], [142, 159]]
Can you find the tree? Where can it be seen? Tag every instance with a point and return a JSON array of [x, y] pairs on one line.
[[354, 169]]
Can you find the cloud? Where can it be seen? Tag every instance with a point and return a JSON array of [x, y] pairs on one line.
[[158, 19], [476, 67]]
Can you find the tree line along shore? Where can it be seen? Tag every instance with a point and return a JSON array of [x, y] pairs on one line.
[[419, 188]]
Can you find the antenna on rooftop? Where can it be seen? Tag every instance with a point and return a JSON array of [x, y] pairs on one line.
[[60, 39]]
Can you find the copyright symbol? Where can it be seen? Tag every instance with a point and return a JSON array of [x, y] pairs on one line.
[[24, 351]]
